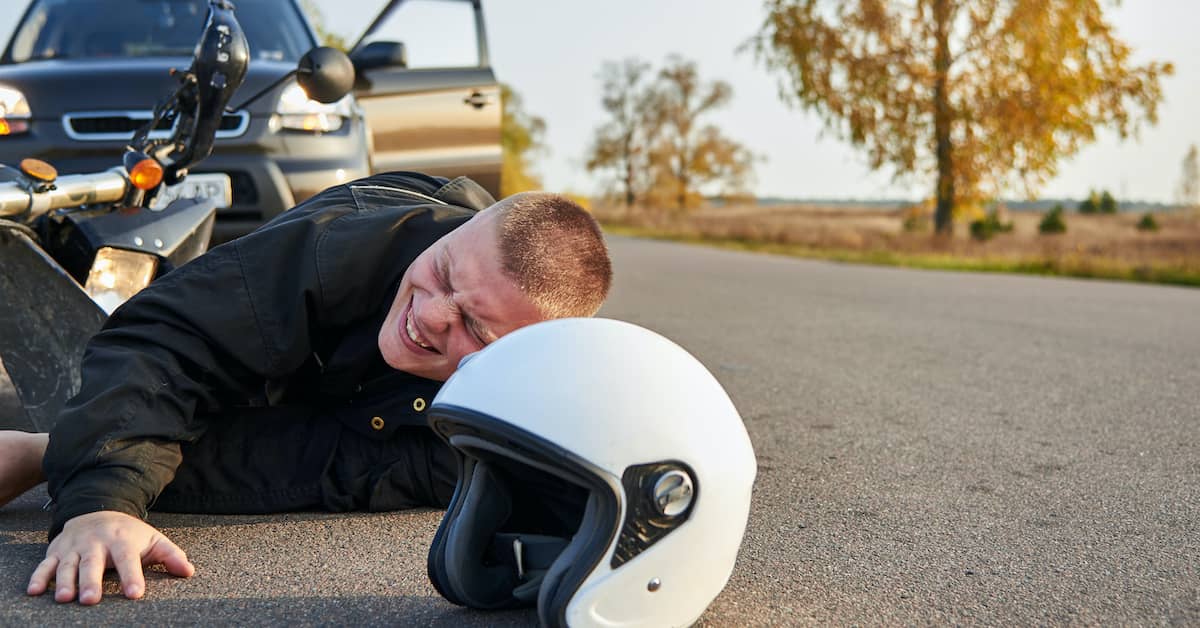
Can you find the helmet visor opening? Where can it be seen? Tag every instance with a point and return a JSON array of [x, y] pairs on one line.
[[509, 526], [540, 502], [528, 520]]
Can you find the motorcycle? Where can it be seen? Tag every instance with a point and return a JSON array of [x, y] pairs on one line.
[[74, 247]]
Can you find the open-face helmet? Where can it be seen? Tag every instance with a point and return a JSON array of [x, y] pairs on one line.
[[604, 477]]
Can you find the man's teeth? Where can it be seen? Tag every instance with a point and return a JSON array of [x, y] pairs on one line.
[[412, 332]]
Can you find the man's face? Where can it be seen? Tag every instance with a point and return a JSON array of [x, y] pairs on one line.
[[453, 300]]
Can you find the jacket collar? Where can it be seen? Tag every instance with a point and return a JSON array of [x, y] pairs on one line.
[[464, 192]]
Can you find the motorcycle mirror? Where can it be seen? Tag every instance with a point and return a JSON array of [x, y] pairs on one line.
[[326, 74]]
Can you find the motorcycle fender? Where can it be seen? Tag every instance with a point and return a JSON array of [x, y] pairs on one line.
[[46, 320]]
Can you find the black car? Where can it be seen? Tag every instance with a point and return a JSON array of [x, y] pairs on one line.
[[79, 76]]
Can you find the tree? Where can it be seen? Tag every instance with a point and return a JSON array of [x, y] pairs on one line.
[[686, 155], [1091, 204], [324, 35], [1101, 202], [1108, 204], [520, 140], [1052, 222], [622, 144], [977, 94], [654, 141], [1188, 194]]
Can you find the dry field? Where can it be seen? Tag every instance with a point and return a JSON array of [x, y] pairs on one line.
[[1108, 246]]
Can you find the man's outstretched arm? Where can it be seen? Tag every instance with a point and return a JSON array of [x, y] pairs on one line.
[[212, 332], [190, 344]]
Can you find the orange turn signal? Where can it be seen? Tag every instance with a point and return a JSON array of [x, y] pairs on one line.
[[146, 174], [12, 127], [38, 169]]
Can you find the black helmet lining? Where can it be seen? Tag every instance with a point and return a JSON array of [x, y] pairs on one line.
[[500, 466]]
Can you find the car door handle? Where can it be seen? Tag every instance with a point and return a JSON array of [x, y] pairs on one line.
[[477, 100]]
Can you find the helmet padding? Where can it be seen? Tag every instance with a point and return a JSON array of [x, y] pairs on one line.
[[486, 506], [509, 504]]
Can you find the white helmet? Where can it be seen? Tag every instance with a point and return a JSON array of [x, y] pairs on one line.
[[604, 475]]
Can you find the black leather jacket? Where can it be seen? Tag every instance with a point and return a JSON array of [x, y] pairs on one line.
[[286, 315]]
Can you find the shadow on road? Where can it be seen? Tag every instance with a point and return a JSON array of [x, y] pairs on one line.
[[334, 610]]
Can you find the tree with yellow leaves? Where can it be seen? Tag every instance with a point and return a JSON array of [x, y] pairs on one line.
[[655, 141], [520, 140], [689, 155], [980, 94]]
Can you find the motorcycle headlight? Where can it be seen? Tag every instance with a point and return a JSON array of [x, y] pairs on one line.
[[117, 275], [297, 112], [14, 112]]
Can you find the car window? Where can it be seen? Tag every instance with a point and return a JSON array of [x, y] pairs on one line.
[[82, 29], [435, 33]]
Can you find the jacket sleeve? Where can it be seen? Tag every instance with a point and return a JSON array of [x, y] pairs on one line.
[[208, 334]]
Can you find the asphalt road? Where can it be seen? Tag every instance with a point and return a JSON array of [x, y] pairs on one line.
[[933, 447]]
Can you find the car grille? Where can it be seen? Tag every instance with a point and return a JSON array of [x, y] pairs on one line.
[[99, 126]]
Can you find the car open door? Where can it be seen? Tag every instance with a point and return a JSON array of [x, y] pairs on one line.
[[426, 87]]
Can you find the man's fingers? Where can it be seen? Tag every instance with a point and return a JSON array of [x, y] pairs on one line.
[[91, 573], [64, 578], [171, 556], [129, 568], [40, 579], [89, 543]]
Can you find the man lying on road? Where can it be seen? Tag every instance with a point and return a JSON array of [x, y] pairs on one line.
[[290, 369]]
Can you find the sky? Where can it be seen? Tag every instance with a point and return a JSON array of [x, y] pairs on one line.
[[551, 50]]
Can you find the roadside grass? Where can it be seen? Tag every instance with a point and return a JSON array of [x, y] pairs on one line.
[[1101, 247]]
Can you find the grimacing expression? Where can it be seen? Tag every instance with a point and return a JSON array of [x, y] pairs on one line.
[[453, 300]]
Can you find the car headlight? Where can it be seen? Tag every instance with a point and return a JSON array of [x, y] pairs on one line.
[[117, 275], [14, 111], [298, 112]]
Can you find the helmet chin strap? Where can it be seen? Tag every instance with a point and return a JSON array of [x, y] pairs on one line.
[[530, 555]]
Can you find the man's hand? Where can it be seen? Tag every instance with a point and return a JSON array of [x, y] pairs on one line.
[[88, 544]]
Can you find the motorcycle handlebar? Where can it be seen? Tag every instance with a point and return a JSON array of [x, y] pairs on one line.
[[70, 190]]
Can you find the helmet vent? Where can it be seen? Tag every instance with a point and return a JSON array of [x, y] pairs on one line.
[[659, 498], [672, 493]]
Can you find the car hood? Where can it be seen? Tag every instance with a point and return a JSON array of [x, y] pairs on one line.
[[55, 87]]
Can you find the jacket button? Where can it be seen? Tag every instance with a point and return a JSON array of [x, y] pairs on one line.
[[418, 404], [377, 423]]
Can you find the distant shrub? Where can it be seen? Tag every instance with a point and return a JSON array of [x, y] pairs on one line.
[[1108, 204], [916, 218], [1147, 223], [1053, 221], [988, 226], [1098, 203], [1091, 204]]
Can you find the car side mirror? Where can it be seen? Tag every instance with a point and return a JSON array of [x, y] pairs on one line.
[[326, 74], [381, 54]]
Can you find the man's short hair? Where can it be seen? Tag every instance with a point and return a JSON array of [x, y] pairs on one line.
[[555, 252]]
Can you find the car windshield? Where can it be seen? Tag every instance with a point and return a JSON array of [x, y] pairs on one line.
[[85, 29]]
